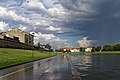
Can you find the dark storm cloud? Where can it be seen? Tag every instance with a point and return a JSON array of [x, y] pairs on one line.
[[106, 26], [80, 12], [96, 19], [99, 19]]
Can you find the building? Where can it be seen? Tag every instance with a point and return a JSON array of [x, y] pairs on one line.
[[15, 38], [88, 50], [24, 37], [70, 49], [75, 49], [7, 38]]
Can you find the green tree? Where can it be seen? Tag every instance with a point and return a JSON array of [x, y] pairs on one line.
[[117, 47], [98, 48], [37, 46], [107, 48], [48, 46], [82, 49], [58, 50], [93, 49]]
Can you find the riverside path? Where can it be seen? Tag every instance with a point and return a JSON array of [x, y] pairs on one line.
[[55, 68]]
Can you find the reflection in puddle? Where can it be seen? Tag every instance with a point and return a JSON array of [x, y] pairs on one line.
[[83, 63], [29, 71], [64, 57], [86, 60]]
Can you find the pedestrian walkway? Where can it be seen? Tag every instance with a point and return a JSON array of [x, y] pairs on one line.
[[56, 68], [59, 70]]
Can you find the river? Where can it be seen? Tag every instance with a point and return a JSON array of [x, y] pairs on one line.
[[97, 67]]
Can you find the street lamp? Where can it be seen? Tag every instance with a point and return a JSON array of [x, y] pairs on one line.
[[33, 52], [33, 46]]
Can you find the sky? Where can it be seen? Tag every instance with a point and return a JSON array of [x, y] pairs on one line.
[[62, 23]]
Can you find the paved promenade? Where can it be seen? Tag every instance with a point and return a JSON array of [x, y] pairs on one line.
[[56, 68]]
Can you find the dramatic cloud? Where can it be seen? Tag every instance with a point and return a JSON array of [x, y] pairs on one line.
[[23, 28], [65, 18], [106, 26], [3, 26], [9, 15], [51, 39], [35, 6], [38, 7], [85, 42], [48, 3], [51, 28]]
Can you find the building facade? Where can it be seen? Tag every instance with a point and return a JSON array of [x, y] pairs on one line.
[[24, 37], [70, 49], [88, 50]]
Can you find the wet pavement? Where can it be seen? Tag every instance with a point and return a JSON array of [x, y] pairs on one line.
[[56, 68], [97, 66], [67, 67]]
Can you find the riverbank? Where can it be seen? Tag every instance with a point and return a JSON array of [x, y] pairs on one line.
[[10, 57], [108, 52]]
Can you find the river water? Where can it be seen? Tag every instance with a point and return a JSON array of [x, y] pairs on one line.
[[97, 67]]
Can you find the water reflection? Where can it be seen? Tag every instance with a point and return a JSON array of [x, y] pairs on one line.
[[97, 67], [86, 60], [82, 63], [64, 57]]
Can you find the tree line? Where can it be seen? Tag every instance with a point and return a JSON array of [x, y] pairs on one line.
[[40, 47], [115, 47]]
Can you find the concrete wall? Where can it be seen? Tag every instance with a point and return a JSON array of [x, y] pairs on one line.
[[9, 44]]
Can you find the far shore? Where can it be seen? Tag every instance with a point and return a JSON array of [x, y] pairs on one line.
[[102, 52]]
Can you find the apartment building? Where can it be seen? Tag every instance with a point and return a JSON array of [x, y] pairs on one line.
[[24, 37]]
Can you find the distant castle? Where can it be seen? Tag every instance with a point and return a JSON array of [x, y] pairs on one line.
[[16, 38]]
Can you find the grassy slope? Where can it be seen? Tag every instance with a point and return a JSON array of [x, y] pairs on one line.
[[9, 57]]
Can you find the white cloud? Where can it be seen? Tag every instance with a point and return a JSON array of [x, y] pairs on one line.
[[35, 6], [55, 16], [23, 28], [85, 42], [51, 28], [9, 15], [56, 12], [3, 26], [55, 41], [48, 3]]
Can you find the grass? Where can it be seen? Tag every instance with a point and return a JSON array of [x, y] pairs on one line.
[[107, 52], [10, 57]]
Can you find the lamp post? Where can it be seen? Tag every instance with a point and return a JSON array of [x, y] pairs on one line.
[[33, 52], [33, 47]]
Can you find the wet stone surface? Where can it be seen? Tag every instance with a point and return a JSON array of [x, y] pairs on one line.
[[55, 68], [97, 67]]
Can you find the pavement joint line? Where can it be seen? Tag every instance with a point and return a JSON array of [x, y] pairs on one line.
[[14, 72]]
